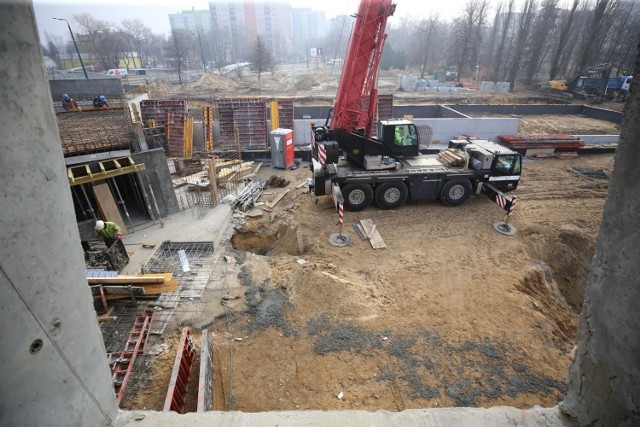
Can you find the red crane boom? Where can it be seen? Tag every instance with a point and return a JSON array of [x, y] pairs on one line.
[[357, 97]]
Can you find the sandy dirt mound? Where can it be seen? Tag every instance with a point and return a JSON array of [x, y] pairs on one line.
[[314, 292], [212, 81], [449, 314]]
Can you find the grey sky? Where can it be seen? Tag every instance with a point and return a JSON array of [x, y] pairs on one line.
[[154, 13]]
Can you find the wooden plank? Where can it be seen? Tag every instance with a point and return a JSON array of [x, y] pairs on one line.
[[277, 199], [107, 205], [301, 184], [124, 280], [370, 230], [370, 233], [367, 226], [170, 286], [360, 231]]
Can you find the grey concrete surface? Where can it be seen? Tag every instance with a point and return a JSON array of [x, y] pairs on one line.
[[444, 130], [157, 174], [478, 417], [602, 114], [450, 113], [604, 381], [210, 228], [52, 357]]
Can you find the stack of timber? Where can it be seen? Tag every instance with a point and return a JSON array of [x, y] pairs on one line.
[[127, 286], [453, 157], [234, 171], [525, 142]]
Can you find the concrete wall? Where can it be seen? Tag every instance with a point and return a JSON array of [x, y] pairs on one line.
[[518, 109], [52, 359], [602, 114], [157, 173], [604, 380], [447, 112], [424, 111], [447, 129], [599, 139]]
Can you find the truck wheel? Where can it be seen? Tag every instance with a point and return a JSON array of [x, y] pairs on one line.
[[391, 195], [357, 196], [455, 192]]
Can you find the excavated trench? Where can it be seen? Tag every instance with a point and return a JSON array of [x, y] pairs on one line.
[[251, 241], [262, 241], [560, 264]]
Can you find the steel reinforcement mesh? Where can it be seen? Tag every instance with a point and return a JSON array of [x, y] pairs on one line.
[[94, 131], [244, 120]]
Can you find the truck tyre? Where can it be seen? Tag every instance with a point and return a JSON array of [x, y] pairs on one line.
[[357, 196], [391, 195], [455, 192]]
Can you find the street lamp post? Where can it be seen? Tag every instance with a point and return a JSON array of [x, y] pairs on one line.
[[84, 70]]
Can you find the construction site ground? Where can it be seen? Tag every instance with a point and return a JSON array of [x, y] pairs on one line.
[[318, 86], [450, 313]]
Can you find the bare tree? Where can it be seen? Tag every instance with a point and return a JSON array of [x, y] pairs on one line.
[[261, 59], [156, 48], [92, 35], [178, 47], [53, 48], [624, 36], [594, 34], [493, 38], [338, 37], [423, 43], [539, 40], [137, 37], [506, 23], [562, 41], [219, 42], [524, 30], [468, 35]]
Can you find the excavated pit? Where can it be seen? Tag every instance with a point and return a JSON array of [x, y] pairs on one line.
[[263, 241], [253, 241], [562, 262]]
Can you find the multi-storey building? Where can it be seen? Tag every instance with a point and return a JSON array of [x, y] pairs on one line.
[[194, 21]]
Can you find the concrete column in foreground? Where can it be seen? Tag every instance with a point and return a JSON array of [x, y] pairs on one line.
[[52, 358], [604, 381]]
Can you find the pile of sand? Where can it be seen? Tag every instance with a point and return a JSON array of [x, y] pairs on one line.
[[314, 292], [211, 81]]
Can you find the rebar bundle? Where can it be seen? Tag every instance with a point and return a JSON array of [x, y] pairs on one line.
[[249, 194]]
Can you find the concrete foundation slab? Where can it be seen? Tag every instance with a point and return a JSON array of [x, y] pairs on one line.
[[500, 416]]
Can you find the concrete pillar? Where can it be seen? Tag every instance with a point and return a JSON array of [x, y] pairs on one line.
[[52, 358], [604, 381]]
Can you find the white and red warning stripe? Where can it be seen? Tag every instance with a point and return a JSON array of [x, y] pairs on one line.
[[513, 205], [340, 214], [322, 154], [501, 200]]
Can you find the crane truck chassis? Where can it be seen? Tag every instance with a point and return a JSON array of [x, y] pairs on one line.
[[420, 178]]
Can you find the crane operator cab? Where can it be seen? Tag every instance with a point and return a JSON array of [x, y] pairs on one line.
[[400, 137]]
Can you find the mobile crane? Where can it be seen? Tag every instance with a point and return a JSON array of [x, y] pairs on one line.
[[348, 160]]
